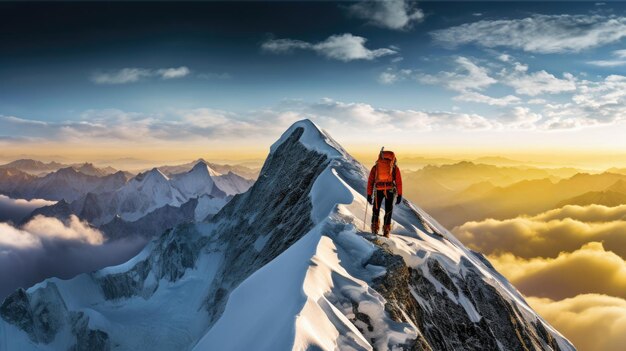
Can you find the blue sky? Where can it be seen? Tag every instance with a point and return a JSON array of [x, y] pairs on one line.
[[444, 73]]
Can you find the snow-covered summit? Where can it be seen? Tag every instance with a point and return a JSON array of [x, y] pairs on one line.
[[287, 266], [199, 180], [203, 167], [154, 176], [313, 138]]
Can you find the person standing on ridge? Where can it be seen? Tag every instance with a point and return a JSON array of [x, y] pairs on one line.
[[384, 183]]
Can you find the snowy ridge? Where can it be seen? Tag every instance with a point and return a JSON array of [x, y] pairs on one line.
[[313, 138], [297, 275]]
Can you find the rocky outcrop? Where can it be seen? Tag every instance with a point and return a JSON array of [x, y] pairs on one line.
[[431, 298], [273, 206]]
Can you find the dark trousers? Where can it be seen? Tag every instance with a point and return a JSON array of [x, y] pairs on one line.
[[380, 196]]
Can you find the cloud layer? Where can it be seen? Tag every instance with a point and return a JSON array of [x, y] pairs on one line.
[[210, 124], [593, 322], [538, 34], [590, 269], [41, 229], [549, 233], [343, 47], [46, 247], [14, 210]]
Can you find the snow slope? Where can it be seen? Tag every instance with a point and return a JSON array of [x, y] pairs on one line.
[[299, 274]]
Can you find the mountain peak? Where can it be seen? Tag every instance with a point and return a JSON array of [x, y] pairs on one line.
[[157, 173], [154, 173], [313, 138], [66, 171], [203, 167]]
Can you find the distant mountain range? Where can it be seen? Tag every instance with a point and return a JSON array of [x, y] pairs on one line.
[[441, 191], [243, 171], [63, 184], [39, 168], [198, 193], [118, 202], [438, 185]]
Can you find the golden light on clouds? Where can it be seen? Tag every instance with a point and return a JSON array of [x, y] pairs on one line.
[[569, 262], [593, 322], [590, 269], [549, 233]]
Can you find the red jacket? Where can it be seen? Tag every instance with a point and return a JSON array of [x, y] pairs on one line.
[[397, 177]]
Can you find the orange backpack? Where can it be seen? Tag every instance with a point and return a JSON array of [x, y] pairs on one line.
[[384, 167]]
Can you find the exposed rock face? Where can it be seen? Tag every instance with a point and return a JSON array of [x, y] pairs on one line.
[[156, 221], [42, 314], [292, 235], [444, 322], [272, 206]]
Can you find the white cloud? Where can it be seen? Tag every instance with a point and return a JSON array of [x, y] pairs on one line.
[[472, 96], [336, 113], [391, 76], [520, 67], [538, 33], [595, 102], [469, 79], [133, 127], [607, 63], [132, 75], [170, 73], [123, 76], [523, 117], [590, 102], [391, 14], [343, 47], [468, 76], [504, 57], [537, 83], [620, 61], [388, 78], [15, 210], [41, 229]]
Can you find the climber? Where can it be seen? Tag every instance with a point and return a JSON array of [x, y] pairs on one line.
[[384, 183]]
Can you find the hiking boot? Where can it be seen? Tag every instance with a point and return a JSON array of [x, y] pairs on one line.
[[386, 230], [375, 226]]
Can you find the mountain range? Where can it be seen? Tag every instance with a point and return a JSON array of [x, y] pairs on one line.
[[286, 265], [206, 190], [466, 191]]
